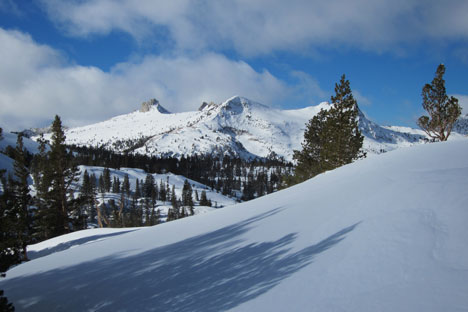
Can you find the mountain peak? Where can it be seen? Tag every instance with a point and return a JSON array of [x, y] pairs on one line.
[[237, 104], [153, 104]]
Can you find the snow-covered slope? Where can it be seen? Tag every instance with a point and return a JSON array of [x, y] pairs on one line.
[[385, 233], [9, 139], [236, 127], [170, 179]]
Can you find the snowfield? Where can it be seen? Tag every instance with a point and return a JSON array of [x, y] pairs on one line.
[[238, 127], [387, 233]]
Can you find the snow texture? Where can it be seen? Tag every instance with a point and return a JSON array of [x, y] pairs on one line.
[[387, 233], [238, 127]]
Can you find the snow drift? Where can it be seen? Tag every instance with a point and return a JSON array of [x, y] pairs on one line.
[[388, 233]]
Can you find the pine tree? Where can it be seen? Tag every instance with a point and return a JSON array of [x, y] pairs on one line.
[[187, 199], [22, 199], [10, 245], [44, 216], [162, 191], [137, 189], [116, 185], [88, 196], [63, 174], [443, 111], [174, 211], [203, 199], [148, 186], [332, 137], [107, 179], [126, 186]]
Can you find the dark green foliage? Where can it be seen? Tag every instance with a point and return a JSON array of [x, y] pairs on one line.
[[332, 137], [443, 111], [187, 199], [88, 196], [22, 199], [173, 213], [226, 174], [148, 186], [126, 186], [57, 209], [106, 177], [10, 245], [204, 200], [116, 185]]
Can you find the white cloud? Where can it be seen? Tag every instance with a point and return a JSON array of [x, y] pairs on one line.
[[361, 99], [261, 26], [36, 83]]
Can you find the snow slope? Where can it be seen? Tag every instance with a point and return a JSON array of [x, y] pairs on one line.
[[238, 126], [218, 200], [9, 139], [386, 233]]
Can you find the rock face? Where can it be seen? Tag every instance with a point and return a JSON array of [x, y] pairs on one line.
[[146, 106], [153, 104]]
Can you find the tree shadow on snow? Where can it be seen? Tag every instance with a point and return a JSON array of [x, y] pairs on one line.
[[32, 254], [210, 272]]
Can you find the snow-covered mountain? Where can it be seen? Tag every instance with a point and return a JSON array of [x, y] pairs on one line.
[[238, 127], [385, 233]]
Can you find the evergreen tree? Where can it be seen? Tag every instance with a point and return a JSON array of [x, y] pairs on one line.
[[116, 185], [332, 137], [148, 186], [137, 189], [10, 245], [88, 196], [173, 213], [63, 174], [22, 199], [203, 199], [101, 186], [126, 185], [44, 216], [187, 194], [107, 179], [443, 111], [162, 191]]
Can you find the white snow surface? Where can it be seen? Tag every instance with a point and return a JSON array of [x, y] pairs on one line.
[[9, 139], [238, 126], [387, 233]]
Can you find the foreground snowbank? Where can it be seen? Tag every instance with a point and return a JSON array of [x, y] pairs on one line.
[[384, 234]]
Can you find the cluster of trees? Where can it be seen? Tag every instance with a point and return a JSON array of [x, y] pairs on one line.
[[136, 205], [245, 179], [332, 138]]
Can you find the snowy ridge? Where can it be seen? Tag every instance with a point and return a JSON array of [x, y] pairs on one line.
[[238, 127], [393, 240]]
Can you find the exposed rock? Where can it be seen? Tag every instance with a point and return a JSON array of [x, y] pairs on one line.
[[153, 104], [146, 106]]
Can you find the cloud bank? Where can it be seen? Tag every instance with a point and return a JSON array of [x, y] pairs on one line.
[[264, 26], [36, 83]]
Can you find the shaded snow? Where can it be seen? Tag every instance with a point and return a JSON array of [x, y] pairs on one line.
[[387, 233]]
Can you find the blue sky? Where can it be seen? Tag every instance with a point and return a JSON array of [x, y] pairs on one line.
[[90, 60]]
